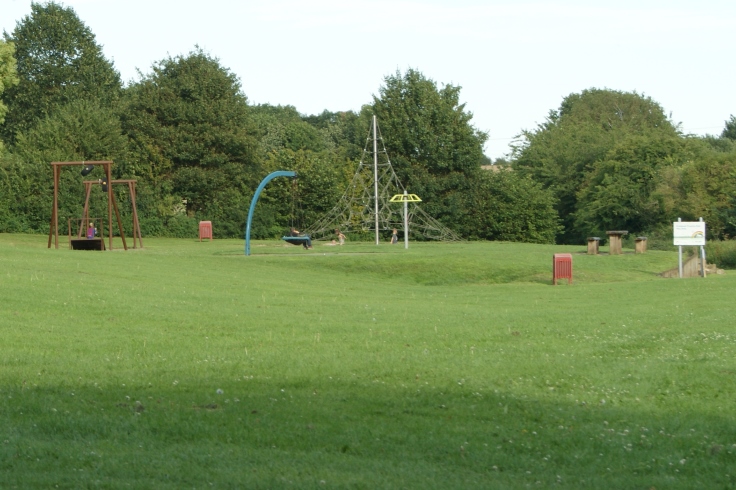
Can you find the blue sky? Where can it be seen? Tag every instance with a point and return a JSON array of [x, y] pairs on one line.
[[515, 60]]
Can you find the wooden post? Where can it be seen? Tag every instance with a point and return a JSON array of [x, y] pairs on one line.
[[136, 224], [641, 244], [117, 214], [109, 204], [85, 213], [54, 225]]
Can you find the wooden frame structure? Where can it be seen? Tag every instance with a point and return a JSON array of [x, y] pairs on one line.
[[131, 188], [111, 203]]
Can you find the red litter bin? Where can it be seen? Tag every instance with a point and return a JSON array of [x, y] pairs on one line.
[[205, 230], [562, 268]]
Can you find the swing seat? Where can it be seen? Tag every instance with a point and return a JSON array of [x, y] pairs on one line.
[[296, 240]]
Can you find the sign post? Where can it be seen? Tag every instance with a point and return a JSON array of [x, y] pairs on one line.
[[689, 233]]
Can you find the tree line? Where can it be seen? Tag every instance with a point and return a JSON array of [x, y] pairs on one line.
[[198, 149]]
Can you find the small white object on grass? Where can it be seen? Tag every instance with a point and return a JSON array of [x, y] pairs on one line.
[[219, 391]]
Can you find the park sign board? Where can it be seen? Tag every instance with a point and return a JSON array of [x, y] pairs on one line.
[[689, 233]]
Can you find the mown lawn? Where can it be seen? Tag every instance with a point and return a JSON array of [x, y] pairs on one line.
[[189, 365]]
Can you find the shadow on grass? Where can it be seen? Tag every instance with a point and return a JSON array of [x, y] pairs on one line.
[[358, 433]]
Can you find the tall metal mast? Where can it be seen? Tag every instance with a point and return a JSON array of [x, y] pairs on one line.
[[375, 172]]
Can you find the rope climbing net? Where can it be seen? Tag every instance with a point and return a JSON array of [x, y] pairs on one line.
[[366, 203]]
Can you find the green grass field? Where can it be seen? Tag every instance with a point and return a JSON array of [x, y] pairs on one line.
[[189, 365]]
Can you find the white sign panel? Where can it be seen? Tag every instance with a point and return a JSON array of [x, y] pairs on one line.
[[689, 233]]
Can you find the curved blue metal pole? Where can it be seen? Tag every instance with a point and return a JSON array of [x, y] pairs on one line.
[[269, 177]]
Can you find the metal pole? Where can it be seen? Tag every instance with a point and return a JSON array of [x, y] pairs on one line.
[[702, 256], [406, 221], [375, 172], [679, 254]]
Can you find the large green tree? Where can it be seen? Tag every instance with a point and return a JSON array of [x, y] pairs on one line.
[[566, 154], [8, 73], [193, 140], [58, 62], [618, 190], [429, 137]]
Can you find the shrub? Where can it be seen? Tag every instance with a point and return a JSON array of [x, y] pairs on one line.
[[722, 253]]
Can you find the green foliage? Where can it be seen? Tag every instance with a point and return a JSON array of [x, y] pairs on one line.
[[722, 253], [62, 109], [8, 75], [501, 205], [283, 128], [285, 203], [426, 125], [609, 159], [58, 62], [703, 185], [26, 190], [429, 137], [724, 145], [618, 191], [567, 154], [729, 131], [311, 147], [344, 132], [192, 138], [80, 130]]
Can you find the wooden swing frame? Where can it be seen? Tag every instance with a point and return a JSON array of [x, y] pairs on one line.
[[111, 203], [131, 189]]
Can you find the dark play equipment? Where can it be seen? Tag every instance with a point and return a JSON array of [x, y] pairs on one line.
[[106, 183], [79, 242], [296, 240], [84, 243]]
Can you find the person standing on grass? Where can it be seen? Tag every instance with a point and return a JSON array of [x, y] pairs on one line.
[[340, 236], [395, 237], [91, 231]]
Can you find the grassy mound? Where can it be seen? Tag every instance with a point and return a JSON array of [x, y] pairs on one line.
[[441, 366]]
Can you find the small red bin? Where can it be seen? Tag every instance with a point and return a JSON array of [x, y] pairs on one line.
[[562, 268], [205, 230]]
